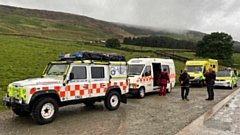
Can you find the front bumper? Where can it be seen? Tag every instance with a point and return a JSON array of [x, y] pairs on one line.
[[222, 84], [14, 103], [195, 82], [133, 91]]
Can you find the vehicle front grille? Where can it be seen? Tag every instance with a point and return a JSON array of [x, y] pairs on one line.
[[220, 80], [191, 77]]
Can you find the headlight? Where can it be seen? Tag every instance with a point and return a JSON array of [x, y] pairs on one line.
[[228, 81]]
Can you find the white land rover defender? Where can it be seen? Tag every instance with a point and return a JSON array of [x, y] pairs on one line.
[[82, 77]]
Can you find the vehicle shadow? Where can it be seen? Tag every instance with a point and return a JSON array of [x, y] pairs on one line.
[[224, 88]]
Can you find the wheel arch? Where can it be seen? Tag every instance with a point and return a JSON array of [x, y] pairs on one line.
[[44, 93], [113, 88], [142, 87]]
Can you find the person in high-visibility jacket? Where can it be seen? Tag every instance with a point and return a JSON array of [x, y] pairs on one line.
[[235, 71]]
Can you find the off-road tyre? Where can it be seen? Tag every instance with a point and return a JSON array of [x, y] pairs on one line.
[[112, 100], [47, 103]]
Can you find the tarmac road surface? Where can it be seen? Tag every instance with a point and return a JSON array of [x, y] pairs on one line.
[[160, 115]]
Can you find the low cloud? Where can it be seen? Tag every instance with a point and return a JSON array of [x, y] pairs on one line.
[[205, 16]]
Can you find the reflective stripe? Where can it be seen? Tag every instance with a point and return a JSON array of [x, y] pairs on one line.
[[144, 79], [82, 89]]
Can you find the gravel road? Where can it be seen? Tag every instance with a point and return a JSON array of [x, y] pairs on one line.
[[160, 115]]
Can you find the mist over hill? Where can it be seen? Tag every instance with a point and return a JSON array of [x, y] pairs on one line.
[[65, 26]]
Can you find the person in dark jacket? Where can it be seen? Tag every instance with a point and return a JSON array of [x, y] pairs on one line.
[[184, 79], [164, 79], [210, 78]]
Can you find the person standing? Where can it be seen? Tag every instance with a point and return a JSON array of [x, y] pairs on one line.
[[210, 77], [235, 71], [164, 79], [184, 79]]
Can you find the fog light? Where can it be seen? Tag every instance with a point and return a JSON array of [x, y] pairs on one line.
[[20, 100]]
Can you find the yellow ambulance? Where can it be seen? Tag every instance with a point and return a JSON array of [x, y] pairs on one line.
[[197, 67]]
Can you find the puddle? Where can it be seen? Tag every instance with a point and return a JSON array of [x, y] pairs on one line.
[[225, 126], [232, 105]]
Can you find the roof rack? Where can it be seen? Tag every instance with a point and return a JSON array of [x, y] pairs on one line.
[[92, 56]]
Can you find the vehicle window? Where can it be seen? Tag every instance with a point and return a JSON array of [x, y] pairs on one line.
[[97, 72], [56, 69], [223, 74], [79, 72], [135, 69], [147, 71], [195, 68], [166, 67]]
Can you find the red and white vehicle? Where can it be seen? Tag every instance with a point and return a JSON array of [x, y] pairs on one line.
[[143, 75], [83, 77]]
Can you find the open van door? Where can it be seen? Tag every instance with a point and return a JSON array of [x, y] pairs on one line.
[[156, 71]]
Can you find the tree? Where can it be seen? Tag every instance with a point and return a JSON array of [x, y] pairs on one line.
[[113, 43], [217, 46]]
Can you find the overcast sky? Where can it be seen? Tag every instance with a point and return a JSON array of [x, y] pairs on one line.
[[201, 15]]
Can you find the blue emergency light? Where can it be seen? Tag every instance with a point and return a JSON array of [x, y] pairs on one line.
[[93, 56], [71, 55]]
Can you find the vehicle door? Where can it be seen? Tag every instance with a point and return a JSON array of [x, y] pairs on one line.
[[156, 68], [147, 78], [99, 80], [78, 84]]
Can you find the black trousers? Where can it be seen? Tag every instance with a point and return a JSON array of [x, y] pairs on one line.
[[210, 91], [183, 93]]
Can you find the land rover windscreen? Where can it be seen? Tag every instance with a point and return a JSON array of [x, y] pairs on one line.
[[56, 69]]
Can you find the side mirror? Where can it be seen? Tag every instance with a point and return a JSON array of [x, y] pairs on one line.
[[180, 71], [71, 76]]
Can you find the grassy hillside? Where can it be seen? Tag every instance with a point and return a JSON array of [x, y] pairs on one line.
[[63, 26], [26, 57]]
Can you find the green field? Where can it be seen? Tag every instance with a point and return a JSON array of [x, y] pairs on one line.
[[25, 57]]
